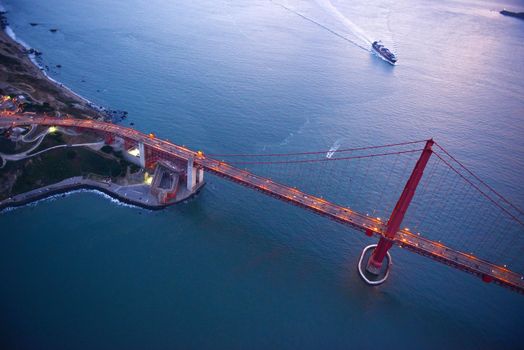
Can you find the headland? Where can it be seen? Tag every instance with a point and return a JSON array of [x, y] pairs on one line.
[[37, 162]]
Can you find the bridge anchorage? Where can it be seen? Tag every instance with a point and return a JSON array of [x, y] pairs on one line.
[[374, 272]]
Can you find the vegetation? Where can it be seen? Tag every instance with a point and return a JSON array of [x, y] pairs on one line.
[[133, 168], [59, 164], [50, 140], [9, 61], [110, 150], [107, 149], [6, 146], [35, 107]]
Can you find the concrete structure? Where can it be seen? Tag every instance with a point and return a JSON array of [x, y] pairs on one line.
[[134, 152], [195, 174], [141, 155], [166, 181]]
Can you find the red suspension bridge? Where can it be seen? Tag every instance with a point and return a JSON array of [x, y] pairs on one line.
[[441, 199]]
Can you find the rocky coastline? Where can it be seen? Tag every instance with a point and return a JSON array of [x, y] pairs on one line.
[[22, 73], [24, 81]]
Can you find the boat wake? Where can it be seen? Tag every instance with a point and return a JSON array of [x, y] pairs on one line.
[[321, 26], [355, 30], [292, 134], [333, 149]]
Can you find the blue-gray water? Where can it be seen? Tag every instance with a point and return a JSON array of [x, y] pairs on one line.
[[232, 269]]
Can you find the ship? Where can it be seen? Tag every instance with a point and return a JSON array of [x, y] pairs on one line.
[[383, 51]]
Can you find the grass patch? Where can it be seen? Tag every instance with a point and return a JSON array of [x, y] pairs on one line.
[[35, 107], [62, 163], [50, 140], [9, 61], [6, 146]]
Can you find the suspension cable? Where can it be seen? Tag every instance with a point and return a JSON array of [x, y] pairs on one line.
[[480, 180], [316, 152], [479, 190], [325, 159]]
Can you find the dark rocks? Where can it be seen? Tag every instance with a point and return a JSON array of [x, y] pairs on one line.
[[58, 66], [34, 52], [115, 116], [53, 30], [33, 24], [512, 14], [3, 20]]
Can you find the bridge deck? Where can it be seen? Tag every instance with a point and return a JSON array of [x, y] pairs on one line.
[[405, 239]]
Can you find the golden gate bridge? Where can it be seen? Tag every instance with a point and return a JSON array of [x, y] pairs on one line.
[[455, 217]]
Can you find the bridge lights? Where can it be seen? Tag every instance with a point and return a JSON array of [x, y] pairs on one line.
[[151, 136], [134, 152], [52, 129], [148, 179]]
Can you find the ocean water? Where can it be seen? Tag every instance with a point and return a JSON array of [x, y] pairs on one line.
[[230, 268]]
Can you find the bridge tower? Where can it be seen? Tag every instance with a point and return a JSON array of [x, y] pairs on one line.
[[374, 265], [142, 154], [195, 175]]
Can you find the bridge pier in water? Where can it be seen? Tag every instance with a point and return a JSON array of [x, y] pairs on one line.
[[375, 262]]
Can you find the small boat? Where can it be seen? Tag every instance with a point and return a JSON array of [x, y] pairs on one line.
[[383, 51]]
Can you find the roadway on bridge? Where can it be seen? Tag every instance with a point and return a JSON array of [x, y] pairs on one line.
[[371, 226]]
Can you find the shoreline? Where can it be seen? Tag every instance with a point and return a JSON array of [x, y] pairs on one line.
[[21, 73], [32, 57], [61, 97], [76, 184]]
